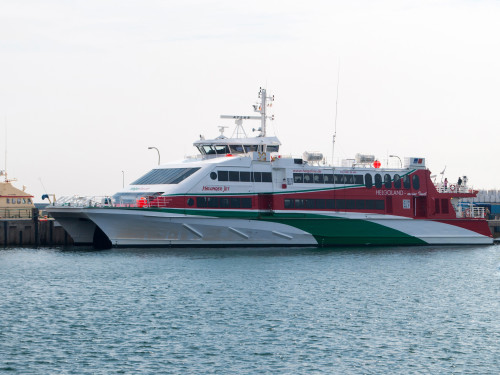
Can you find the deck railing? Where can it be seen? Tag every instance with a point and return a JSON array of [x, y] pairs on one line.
[[79, 201], [453, 188], [473, 212], [16, 213]]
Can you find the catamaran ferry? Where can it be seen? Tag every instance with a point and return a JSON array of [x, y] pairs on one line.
[[240, 191]]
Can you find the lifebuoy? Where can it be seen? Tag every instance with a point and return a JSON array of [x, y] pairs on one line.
[[452, 187]]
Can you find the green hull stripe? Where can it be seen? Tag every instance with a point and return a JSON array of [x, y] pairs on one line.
[[327, 230], [340, 231]]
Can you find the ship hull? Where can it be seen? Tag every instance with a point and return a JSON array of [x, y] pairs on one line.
[[175, 228]]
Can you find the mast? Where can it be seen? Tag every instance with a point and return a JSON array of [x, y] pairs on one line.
[[336, 111], [260, 108]]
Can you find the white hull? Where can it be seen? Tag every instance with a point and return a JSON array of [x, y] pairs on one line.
[[130, 228]]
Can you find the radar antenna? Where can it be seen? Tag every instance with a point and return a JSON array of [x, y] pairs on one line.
[[258, 107]]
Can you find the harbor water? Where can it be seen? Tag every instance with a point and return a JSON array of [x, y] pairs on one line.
[[401, 310]]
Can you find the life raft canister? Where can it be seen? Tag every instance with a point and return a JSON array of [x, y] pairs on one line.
[[142, 202]]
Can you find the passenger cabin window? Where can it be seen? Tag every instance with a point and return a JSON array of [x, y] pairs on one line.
[[327, 178], [339, 204], [387, 181], [397, 181], [216, 202], [244, 176], [378, 181], [406, 182], [165, 176], [368, 181], [416, 182]]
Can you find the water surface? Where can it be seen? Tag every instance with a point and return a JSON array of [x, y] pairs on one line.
[[277, 311]]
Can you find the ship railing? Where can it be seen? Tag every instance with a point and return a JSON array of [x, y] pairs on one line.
[[473, 212], [453, 188], [146, 202], [83, 201]]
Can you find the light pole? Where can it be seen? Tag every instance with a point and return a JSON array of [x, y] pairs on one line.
[[123, 179], [158, 151], [400, 162]]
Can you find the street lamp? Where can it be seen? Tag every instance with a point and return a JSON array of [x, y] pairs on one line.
[[395, 156], [158, 151]]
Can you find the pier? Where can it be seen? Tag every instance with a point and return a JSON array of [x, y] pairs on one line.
[[33, 231], [495, 229]]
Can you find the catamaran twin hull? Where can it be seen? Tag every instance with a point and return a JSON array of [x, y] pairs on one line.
[[167, 228]]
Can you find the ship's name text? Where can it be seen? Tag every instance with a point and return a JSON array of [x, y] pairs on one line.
[[215, 188]]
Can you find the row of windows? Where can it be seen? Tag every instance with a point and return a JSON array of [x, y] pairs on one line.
[[242, 176], [326, 178], [233, 149], [165, 176], [387, 182], [216, 202], [19, 200], [341, 204]]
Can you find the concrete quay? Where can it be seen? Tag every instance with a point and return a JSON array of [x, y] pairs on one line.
[[32, 232]]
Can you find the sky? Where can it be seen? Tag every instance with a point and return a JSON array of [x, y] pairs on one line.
[[87, 86]]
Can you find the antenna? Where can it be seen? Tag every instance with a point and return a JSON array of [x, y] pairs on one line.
[[336, 106], [442, 173], [5, 171], [259, 107]]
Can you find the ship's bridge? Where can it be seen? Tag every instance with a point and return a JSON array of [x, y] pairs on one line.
[[222, 146]]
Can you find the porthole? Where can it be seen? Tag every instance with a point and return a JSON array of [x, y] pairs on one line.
[[190, 201], [213, 176]]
